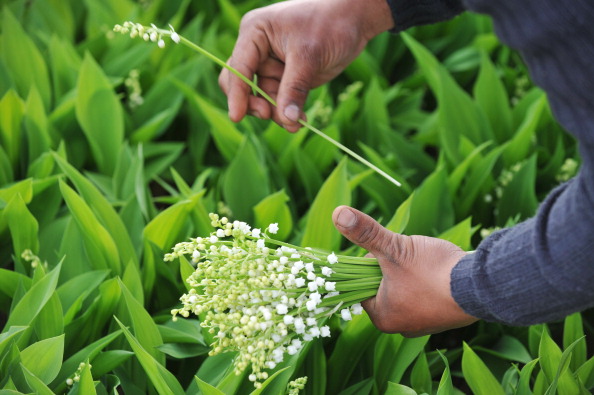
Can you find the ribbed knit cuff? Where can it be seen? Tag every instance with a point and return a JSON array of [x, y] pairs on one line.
[[408, 13]]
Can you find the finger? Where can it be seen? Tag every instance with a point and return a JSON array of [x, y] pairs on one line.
[[295, 85], [248, 53], [364, 231]]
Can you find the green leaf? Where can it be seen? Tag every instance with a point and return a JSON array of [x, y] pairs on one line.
[[585, 373], [12, 109], [100, 246], [224, 133], [445, 383], [23, 226], [33, 301], [399, 221], [399, 389], [86, 386], [100, 114], [23, 59], [76, 290], [163, 380], [274, 208], [519, 147], [477, 374], [393, 355], [356, 338], [35, 383], [431, 208], [508, 347], [246, 181], [146, 332], [573, 330], [89, 352], [12, 334], [491, 96], [555, 363], [523, 387], [102, 208], [107, 361], [44, 358], [319, 230], [361, 388], [420, 375], [269, 380], [206, 388], [460, 234], [36, 125]]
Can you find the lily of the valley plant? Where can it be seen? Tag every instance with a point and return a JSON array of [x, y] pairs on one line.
[[265, 298]]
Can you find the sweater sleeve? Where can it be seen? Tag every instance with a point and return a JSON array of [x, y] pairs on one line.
[[408, 13], [542, 269]]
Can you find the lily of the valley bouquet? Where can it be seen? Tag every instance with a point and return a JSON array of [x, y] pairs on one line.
[[264, 298]]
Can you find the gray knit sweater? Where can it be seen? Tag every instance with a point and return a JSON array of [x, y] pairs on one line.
[[542, 269]]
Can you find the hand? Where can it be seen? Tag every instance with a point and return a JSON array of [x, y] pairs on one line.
[[295, 46], [414, 296]]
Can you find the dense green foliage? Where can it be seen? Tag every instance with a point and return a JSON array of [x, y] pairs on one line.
[[112, 150]]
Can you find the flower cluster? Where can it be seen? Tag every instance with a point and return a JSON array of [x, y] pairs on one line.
[[265, 298], [148, 33], [296, 385]]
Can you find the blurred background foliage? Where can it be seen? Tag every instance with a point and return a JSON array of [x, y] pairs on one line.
[[112, 150]]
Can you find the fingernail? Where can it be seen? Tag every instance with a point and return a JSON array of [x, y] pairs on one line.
[[346, 218], [292, 112]]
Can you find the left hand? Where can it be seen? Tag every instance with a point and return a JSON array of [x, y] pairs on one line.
[[414, 296]]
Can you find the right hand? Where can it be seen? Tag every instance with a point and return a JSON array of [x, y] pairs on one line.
[[295, 46]]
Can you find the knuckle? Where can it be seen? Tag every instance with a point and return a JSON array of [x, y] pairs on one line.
[[401, 249]]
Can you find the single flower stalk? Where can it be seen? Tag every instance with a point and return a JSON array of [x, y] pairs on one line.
[[265, 298], [154, 34]]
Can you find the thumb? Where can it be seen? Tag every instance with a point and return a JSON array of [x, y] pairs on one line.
[[294, 87], [366, 232]]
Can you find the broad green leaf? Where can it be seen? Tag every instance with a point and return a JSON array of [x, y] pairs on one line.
[[420, 375], [508, 347], [401, 217], [445, 383], [33, 301], [101, 248], [50, 320], [267, 382], [107, 361], [393, 355], [356, 338], [315, 366], [478, 376], [100, 114], [102, 209], [431, 210], [23, 226], [64, 64], [399, 389], [36, 125], [89, 352], [361, 388], [246, 182], [224, 133], [73, 292], [12, 109], [44, 358], [519, 147], [206, 388], [145, 330], [36, 383], [585, 373], [12, 334], [555, 364], [572, 331], [525, 378], [23, 59], [319, 230], [86, 386], [23, 188], [460, 234], [9, 280], [491, 96], [274, 209], [163, 380]]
